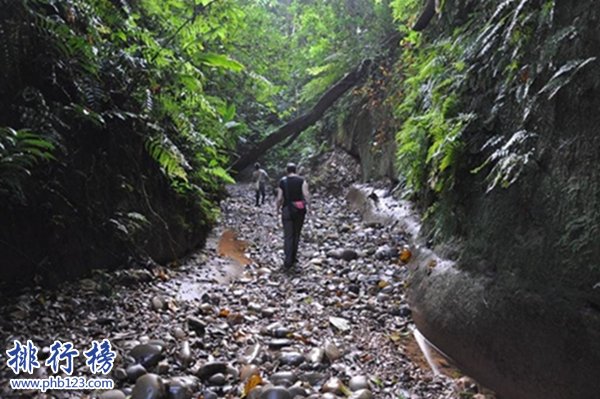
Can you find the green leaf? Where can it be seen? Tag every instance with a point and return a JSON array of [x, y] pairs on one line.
[[221, 61]]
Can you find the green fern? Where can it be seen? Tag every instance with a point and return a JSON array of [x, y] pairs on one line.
[[169, 157], [20, 152]]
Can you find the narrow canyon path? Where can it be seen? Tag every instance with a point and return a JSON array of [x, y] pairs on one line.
[[227, 322]]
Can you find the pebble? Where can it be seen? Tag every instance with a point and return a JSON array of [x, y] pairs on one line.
[[291, 358], [284, 378], [158, 303], [280, 343], [362, 394], [333, 385], [332, 352], [135, 371], [112, 394], [148, 355], [358, 382], [149, 386], [197, 325], [217, 379], [185, 354], [211, 368], [275, 393]]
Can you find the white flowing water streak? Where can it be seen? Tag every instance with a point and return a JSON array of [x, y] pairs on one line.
[[425, 348]]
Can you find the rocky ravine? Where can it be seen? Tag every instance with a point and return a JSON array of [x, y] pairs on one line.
[[337, 327]]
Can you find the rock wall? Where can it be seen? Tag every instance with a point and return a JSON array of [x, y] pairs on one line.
[[107, 205], [520, 310]]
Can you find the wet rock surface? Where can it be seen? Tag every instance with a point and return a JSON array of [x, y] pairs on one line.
[[335, 326]]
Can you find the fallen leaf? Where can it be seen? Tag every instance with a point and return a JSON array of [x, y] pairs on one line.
[[340, 323], [254, 381], [405, 255]]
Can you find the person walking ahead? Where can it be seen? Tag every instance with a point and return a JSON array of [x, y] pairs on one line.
[[292, 199], [260, 178]]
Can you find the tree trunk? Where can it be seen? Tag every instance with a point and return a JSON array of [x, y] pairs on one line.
[[293, 128]]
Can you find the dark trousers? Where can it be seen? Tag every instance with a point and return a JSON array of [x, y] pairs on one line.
[[260, 193], [292, 226]]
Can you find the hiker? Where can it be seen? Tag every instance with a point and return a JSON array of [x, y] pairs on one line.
[[260, 177], [292, 199]]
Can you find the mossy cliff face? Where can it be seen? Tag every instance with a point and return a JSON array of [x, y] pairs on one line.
[[520, 310]]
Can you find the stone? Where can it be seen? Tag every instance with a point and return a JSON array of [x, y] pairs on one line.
[[158, 303], [112, 394], [217, 379], [211, 368], [275, 393], [148, 355], [197, 325], [185, 354], [149, 386], [349, 254], [332, 352], [333, 385], [312, 378], [163, 367], [362, 394], [315, 356], [285, 378], [297, 391], [135, 371], [189, 381], [178, 390], [208, 394], [179, 333], [279, 343], [358, 382], [120, 374], [291, 358]]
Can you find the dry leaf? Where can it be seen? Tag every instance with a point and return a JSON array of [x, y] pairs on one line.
[[340, 323], [254, 381], [405, 255]]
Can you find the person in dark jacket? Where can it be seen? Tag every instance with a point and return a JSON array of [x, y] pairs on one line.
[[292, 198]]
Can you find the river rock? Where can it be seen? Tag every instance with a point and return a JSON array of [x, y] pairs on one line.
[[147, 355], [362, 394], [112, 394], [179, 333], [349, 254], [333, 385], [197, 325], [275, 393], [285, 378], [386, 252], [158, 303], [279, 343], [332, 352], [297, 391], [358, 382], [211, 368], [315, 356], [217, 379], [149, 386], [291, 358], [163, 367], [120, 374], [179, 391], [185, 354], [208, 394], [135, 371], [188, 381]]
